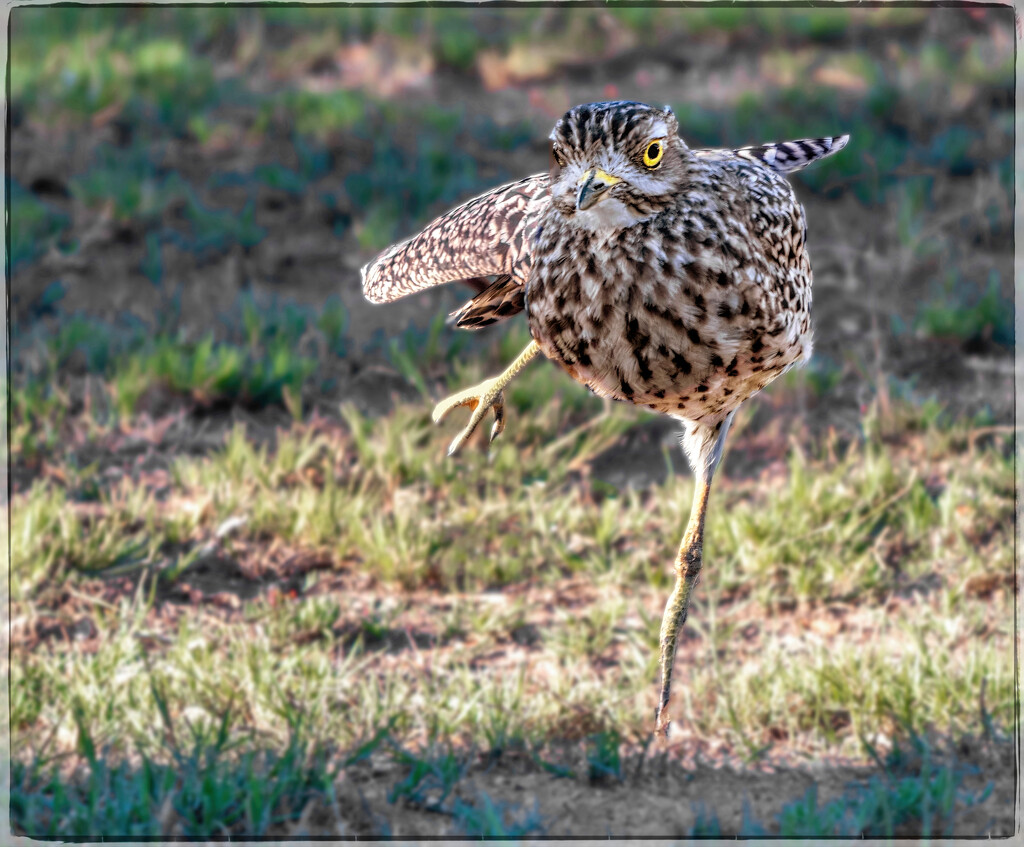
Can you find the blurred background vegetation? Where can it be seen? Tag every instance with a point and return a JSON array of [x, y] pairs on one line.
[[192, 194]]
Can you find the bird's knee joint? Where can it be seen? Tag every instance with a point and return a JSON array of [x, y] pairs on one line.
[[689, 563]]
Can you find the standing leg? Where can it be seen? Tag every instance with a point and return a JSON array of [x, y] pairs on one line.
[[703, 445]]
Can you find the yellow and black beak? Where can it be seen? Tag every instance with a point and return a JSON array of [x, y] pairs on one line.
[[593, 184]]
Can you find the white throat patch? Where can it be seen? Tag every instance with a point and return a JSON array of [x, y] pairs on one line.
[[609, 214]]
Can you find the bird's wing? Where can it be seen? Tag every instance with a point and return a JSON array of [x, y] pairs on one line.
[[488, 235], [787, 156], [502, 299]]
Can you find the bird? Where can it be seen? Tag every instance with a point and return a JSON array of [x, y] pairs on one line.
[[670, 277]]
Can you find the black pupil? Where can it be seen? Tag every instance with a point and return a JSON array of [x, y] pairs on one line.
[[653, 150]]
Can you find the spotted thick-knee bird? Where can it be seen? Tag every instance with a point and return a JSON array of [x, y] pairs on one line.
[[669, 277]]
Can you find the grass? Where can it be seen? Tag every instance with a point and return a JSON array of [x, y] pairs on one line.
[[878, 810], [376, 499], [990, 318], [166, 87], [204, 791], [34, 225], [452, 37], [211, 790], [136, 190], [272, 606], [86, 70], [263, 355]]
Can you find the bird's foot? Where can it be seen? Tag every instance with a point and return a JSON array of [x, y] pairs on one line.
[[480, 398]]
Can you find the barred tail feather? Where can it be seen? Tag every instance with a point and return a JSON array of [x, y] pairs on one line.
[[785, 157]]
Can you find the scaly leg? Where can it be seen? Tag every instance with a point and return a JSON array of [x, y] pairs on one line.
[[480, 398], [688, 564], [703, 445]]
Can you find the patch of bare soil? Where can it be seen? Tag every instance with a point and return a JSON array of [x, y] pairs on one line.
[[658, 797]]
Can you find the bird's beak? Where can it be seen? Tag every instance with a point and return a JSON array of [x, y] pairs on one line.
[[592, 185]]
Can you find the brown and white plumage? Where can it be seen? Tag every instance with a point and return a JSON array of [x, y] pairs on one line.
[[784, 157], [695, 288], [501, 299], [658, 275], [485, 236]]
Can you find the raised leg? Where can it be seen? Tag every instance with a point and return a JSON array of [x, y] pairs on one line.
[[703, 445], [480, 398]]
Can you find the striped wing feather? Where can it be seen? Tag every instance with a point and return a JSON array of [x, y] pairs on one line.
[[502, 299], [485, 236]]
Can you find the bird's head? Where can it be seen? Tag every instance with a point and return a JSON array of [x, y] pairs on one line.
[[615, 164]]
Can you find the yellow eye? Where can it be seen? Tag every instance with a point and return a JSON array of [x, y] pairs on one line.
[[652, 155]]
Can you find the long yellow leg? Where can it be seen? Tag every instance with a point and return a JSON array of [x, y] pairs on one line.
[[480, 398], [688, 564], [703, 443]]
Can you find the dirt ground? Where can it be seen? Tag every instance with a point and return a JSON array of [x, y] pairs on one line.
[[660, 799]]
